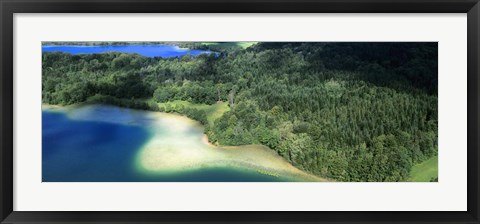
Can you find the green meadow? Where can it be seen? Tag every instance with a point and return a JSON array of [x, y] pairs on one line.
[[213, 111], [425, 171], [241, 45]]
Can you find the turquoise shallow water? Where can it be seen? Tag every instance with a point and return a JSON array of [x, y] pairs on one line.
[[102, 149]]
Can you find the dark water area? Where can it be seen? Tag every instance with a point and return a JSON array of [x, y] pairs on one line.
[[165, 51], [95, 151]]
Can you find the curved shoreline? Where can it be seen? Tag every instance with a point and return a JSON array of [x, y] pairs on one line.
[[178, 143], [157, 154], [262, 170]]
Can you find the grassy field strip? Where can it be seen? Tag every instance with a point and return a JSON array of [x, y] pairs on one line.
[[242, 45], [213, 111], [425, 171]]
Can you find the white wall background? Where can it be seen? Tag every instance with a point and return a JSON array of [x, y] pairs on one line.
[[30, 194]]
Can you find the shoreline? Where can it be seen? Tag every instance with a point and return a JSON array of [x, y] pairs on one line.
[[206, 141], [179, 143], [53, 106], [263, 171]]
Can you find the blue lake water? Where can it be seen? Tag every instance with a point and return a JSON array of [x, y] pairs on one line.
[[104, 150], [165, 51]]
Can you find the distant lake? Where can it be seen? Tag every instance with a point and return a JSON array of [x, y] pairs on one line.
[[165, 51], [100, 143]]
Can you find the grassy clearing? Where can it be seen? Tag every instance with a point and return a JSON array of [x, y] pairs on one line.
[[213, 111], [425, 171], [242, 45]]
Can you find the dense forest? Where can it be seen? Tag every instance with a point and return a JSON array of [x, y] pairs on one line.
[[345, 111]]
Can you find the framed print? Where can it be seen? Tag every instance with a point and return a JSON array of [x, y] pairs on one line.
[[244, 111]]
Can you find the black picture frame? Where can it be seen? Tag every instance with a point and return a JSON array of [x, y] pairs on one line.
[[9, 7]]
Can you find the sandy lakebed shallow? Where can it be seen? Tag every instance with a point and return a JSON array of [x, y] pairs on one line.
[[178, 143]]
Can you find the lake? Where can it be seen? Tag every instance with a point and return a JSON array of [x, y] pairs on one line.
[[99, 143], [165, 51]]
